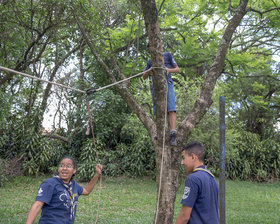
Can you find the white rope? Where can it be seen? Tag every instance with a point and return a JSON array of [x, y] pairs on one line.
[[123, 80], [43, 80], [68, 87], [162, 157]]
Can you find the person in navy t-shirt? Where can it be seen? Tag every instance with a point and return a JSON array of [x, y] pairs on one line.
[[200, 198], [171, 67], [58, 196]]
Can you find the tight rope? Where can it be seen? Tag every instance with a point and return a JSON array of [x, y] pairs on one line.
[[43, 80], [68, 87], [118, 82], [162, 158]]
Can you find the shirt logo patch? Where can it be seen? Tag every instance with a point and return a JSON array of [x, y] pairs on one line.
[[40, 192], [186, 192]]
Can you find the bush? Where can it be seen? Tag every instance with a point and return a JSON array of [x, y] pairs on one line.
[[133, 156], [2, 175], [247, 157]]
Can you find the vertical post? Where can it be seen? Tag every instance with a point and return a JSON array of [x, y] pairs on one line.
[[222, 195]]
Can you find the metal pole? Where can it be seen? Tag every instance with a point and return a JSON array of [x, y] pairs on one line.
[[222, 195]]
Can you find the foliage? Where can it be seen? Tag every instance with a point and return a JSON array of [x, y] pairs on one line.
[[247, 157], [2, 174], [133, 157]]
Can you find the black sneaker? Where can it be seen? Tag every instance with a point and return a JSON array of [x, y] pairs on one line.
[[173, 140]]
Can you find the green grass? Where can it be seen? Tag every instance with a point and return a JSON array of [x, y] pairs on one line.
[[126, 201]]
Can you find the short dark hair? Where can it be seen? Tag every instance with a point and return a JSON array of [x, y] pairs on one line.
[[71, 158], [195, 148]]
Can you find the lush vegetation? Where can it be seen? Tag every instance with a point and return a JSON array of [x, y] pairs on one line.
[[127, 200], [42, 38]]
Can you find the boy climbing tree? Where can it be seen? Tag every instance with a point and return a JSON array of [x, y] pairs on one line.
[[171, 67]]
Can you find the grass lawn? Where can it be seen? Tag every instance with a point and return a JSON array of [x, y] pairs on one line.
[[126, 201]]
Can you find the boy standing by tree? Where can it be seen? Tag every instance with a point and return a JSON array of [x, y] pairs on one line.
[[200, 198]]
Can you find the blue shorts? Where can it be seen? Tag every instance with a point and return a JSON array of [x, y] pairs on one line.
[[171, 103]]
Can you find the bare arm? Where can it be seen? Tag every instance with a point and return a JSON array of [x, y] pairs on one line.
[[184, 215], [93, 181], [147, 73], [175, 69], [36, 207]]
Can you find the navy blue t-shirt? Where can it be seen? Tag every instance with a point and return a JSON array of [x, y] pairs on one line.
[[57, 203], [169, 62], [201, 194]]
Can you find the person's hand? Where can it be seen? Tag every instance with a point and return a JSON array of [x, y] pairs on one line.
[[98, 168], [167, 70], [147, 73]]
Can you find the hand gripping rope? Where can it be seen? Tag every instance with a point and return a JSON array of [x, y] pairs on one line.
[[88, 92]]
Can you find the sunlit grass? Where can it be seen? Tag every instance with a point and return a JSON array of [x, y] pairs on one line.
[[126, 200]]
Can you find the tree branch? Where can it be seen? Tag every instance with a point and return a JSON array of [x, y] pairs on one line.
[[204, 100]]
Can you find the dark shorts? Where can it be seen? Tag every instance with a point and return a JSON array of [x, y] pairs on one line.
[[171, 103]]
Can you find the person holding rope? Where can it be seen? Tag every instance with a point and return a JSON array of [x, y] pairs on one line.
[[58, 196], [171, 67], [200, 198]]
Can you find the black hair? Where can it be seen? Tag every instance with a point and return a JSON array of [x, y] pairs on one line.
[[71, 158], [195, 148]]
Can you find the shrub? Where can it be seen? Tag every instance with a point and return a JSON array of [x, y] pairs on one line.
[[247, 157]]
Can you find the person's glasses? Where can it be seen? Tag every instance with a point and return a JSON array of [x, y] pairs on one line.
[[68, 166]]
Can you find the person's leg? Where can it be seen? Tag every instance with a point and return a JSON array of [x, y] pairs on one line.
[[172, 120], [171, 108]]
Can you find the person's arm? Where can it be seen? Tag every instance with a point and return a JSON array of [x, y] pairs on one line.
[[175, 69], [184, 215], [91, 184], [147, 73], [36, 207]]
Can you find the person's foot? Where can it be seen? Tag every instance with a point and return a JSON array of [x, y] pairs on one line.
[[173, 140]]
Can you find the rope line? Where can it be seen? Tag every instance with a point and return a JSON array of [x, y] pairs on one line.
[[34, 77], [162, 157], [68, 87], [123, 80], [97, 158]]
